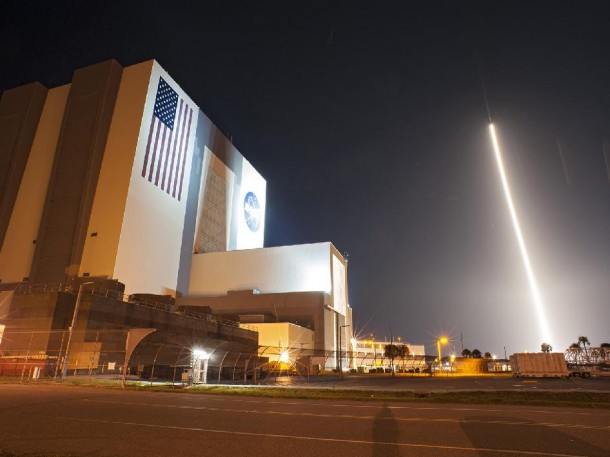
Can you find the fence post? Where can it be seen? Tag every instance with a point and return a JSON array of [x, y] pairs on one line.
[[26, 357], [220, 367], [61, 346]]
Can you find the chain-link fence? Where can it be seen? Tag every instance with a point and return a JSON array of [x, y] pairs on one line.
[[144, 354]]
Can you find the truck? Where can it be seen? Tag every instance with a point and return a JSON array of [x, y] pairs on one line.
[[539, 365]]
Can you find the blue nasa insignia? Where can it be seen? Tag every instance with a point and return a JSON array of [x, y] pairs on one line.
[[252, 211]]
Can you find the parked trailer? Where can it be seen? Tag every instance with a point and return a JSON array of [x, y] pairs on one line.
[[583, 371], [539, 365]]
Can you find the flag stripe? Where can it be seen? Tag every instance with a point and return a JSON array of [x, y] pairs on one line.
[[160, 158], [167, 171], [178, 157], [154, 154]]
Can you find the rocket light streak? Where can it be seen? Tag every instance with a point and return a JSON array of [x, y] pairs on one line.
[[538, 305]]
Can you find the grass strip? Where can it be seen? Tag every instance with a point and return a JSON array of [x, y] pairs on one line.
[[578, 399], [539, 398]]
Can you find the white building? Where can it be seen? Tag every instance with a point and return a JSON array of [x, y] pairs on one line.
[[120, 175]]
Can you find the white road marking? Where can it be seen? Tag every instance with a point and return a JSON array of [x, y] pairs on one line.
[[444, 407], [350, 416], [332, 440]]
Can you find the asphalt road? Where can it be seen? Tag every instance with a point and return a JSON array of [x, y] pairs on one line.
[[87, 421]]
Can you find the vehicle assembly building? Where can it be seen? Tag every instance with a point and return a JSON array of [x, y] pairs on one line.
[[118, 179]]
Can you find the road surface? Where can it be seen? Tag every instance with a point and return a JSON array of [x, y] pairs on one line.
[[81, 421]]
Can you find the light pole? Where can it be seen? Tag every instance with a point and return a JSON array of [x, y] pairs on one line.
[[74, 317], [341, 327], [442, 340]]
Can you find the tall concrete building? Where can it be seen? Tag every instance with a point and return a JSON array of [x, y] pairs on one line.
[[120, 176]]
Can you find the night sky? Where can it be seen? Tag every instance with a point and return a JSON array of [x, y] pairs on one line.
[[368, 121]]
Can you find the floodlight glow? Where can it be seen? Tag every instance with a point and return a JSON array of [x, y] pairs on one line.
[[545, 334], [200, 354], [284, 357]]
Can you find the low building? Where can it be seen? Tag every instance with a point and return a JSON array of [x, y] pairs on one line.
[[370, 354], [37, 325], [303, 285]]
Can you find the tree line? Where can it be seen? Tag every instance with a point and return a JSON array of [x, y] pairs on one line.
[[475, 354]]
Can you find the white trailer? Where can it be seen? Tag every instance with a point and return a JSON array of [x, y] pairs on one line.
[[539, 365]]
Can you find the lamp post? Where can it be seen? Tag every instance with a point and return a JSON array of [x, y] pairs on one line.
[[372, 336], [442, 340], [341, 327], [354, 342], [74, 317]]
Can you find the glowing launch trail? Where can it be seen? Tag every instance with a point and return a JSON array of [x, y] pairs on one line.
[[543, 325]]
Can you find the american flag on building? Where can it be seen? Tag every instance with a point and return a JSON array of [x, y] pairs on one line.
[[168, 139]]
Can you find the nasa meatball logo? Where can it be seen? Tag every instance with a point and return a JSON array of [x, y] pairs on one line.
[[252, 211]]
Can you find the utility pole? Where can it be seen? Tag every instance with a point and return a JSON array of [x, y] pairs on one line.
[[74, 317], [340, 356]]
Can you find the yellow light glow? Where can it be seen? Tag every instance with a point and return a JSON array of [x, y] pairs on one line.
[[284, 356], [443, 340], [545, 334]]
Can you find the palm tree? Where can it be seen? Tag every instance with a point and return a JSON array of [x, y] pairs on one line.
[[476, 354], [403, 352], [585, 342], [573, 353], [467, 353], [605, 350], [391, 351]]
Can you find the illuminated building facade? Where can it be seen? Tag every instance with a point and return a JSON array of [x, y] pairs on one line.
[[119, 176], [305, 285]]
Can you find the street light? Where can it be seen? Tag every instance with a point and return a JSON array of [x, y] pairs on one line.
[[442, 340], [74, 316], [199, 362], [341, 327]]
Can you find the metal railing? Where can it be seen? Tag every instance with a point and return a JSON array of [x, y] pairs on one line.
[[118, 295]]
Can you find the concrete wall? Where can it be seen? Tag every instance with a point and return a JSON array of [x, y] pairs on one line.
[[310, 310], [106, 221], [39, 322], [283, 335], [17, 251], [20, 111], [76, 167], [148, 256], [301, 268]]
